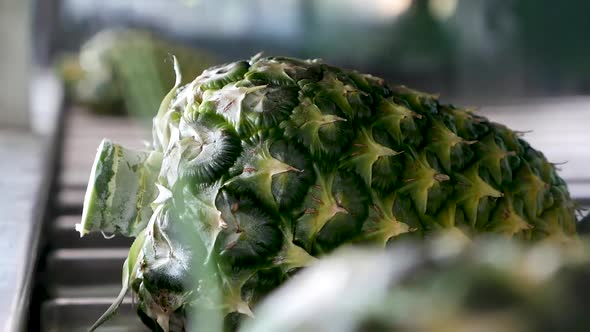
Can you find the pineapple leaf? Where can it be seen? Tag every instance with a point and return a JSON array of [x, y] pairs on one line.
[[161, 130], [130, 268]]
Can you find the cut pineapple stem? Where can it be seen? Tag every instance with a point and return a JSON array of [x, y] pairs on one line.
[[120, 190]]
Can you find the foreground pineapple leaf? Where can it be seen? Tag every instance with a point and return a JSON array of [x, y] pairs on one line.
[[130, 269], [450, 284], [259, 167]]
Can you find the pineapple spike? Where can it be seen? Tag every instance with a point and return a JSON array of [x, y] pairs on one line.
[[521, 133]]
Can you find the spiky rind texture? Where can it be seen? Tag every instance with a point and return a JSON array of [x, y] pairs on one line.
[[274, 161]]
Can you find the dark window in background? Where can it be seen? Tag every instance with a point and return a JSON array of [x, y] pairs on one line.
[[475, 50]]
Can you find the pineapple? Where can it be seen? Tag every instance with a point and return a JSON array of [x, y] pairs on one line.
[[490, 285], [259, 167], [126, 70]]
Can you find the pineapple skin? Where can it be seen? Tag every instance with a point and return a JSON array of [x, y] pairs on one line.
[[270, 163]]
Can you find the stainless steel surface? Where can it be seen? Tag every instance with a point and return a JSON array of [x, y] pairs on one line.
[[20, 184], [26, 167], [85, 267], [63, 236], [27, 171], [82, 276], [70, 200], [77, 314], [84, 131], [14, 63]]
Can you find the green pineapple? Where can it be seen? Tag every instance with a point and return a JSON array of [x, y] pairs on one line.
[[448, 285], [259, 167], [124, 70]]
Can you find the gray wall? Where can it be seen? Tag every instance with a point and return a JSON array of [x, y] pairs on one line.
[[14, 63]]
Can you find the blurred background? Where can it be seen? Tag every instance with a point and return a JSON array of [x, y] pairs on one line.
[[523, 62], [474, 50], [75, 71]]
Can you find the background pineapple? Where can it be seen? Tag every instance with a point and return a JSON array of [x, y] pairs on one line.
[[127, 71]]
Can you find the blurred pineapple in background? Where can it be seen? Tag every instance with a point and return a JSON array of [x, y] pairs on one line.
[[125, 71]]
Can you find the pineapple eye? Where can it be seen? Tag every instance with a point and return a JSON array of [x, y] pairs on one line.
[[289, 188], [248, 107], [277, 173], [267, 107], [208, 148], [270, 71], [319, 128], [251, 235], [218, 77], [333, 211]]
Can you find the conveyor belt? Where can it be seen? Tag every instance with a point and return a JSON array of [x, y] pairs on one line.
[[80, 277]]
